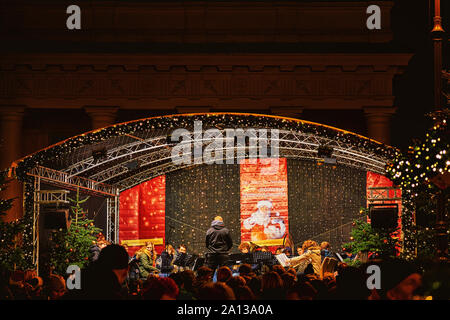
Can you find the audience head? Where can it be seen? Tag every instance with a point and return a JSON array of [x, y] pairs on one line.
[[215, 291], [178, 278], [204, 273], [302, 290], [351, 283], [114, 258], [255, 285], [243, 293], [288, 280], [236, 281], [188, 277], [245, 269], [400, 279], [271, 280], [156, 288], [223, 274], [278, 269], [56, 287], [292, 271]]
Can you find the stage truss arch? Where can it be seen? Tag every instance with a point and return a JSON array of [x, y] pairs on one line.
[[110, 160]]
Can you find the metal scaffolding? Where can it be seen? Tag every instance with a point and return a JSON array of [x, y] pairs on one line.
[[154, 156], [112, 220], [40, 197], [105, 167]]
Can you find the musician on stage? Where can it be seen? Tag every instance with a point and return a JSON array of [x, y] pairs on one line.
[[166, 260], [218, 244], [146, 257], [244, 247], [180, 252], [311, 254]]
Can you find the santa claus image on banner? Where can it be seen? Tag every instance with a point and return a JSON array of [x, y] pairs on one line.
[[265, 224]]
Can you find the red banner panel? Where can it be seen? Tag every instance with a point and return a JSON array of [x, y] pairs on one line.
[[264, 200], [375, 180], [386, 190], [142, 212]]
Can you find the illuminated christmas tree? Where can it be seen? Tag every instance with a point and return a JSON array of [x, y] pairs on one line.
[[369, 242], [71, 247], [422, 174], [11, 255]]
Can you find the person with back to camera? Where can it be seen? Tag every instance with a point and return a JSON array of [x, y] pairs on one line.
[[218, 243]]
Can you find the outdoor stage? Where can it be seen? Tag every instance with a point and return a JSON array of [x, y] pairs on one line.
[[322, 177]]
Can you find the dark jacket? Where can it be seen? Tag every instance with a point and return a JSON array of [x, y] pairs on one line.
[[166, 262], [96, 284], [218, 239]]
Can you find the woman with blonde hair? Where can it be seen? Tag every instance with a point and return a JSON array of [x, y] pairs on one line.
[[311, 254], [146, 257]]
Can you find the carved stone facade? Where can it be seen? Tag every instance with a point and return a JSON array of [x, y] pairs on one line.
[[163, 57]]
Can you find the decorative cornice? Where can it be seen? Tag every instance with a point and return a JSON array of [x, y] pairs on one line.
[[255, 62]]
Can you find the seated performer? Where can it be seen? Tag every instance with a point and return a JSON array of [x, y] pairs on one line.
[[166, 260], [244, 247], [180, 252], [326, 251], [311, 254], [146, 257]]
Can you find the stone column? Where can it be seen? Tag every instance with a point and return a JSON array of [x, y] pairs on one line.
[[379, 122], [11, 118], [101, 116]]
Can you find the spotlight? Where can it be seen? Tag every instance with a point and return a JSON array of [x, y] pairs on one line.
[[325, 154], [132, 165], [99, 154]]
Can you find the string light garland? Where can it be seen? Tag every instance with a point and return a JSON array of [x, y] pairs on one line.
[[414, 172], [228, 120], [11, 252], [57, 152]]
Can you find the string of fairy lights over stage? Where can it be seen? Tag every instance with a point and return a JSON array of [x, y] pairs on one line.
[[69, 147]]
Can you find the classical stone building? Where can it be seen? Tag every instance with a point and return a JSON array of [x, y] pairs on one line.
[[132, 59]]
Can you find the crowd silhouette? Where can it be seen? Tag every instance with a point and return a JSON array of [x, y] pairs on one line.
[[108, 278]]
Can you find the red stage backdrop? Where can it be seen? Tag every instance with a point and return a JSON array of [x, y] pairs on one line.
[[378, 180], [264, 200], [142, 212]]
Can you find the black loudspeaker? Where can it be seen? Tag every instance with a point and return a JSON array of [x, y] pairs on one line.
[[56, 219], [383, 216]]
